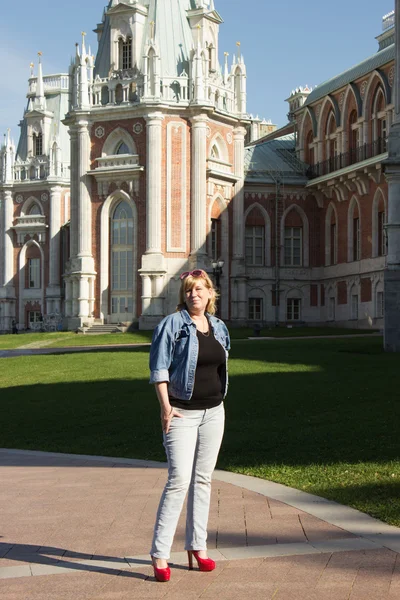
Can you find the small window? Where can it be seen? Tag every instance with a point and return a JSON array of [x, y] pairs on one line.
[[34, 316], [293, 247], [255, 309], [293, 312], [34, 272], [126, 54], [379, 305], [214, 152], [38, 144], [381, 234], [354, 306]]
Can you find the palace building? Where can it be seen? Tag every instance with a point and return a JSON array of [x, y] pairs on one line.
[[143, 162]]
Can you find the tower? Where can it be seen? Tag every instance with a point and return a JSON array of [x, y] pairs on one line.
[[157, 142]]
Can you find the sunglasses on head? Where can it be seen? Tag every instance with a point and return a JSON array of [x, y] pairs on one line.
[[195, 273]]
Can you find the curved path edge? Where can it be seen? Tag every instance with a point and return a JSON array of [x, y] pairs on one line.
[[370, 532]]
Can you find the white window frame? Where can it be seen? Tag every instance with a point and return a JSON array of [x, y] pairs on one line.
[[251, 260], [34, 273], [293, 309], [289, 245], [255, 309]]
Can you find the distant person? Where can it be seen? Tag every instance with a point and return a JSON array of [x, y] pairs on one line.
[[188, 364], [14, 327]]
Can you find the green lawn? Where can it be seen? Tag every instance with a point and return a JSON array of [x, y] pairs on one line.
[[68, 339], [319, 415]]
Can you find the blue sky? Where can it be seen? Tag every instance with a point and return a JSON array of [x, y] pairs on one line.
[[285, 44]]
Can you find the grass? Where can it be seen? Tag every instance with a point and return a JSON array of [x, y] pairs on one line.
[[70, 339], [318, 415]]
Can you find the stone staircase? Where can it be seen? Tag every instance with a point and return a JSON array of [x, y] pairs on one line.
[[98, 329]]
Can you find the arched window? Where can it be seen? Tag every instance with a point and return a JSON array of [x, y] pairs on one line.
[[122, 263], [122, 148], [105, 95], [310, 156], [331, 141], [331, 235], [380, 122], [354, 232], [34, 210], [354, 137], [37, 144], [215, 152], [379, 238], [125, 53], [255, 238], [293, 243]]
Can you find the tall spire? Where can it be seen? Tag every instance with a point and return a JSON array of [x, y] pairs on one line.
[[40, 98]]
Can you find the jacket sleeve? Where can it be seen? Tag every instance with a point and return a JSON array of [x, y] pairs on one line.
[[227, 338], [161, 352]]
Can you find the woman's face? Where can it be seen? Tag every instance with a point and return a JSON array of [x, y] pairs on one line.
[[197, 297]]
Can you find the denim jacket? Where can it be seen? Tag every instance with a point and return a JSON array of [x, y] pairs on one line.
[[174, 352]]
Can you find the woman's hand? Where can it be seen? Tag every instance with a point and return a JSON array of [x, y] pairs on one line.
[[167, 416]]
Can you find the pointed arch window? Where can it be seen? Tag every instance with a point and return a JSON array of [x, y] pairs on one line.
[[119, 94], [34, 210], [38, 144], [310, 154], [125, 53], [122, 148], [255, 239], [331, 141], [215, 152], [380, 122], [122, 262]]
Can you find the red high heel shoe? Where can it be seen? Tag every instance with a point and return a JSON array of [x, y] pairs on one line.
[[161, 574], [204, 564]]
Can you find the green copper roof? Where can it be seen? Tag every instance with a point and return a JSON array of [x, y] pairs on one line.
[[363, 68], [274, 160]]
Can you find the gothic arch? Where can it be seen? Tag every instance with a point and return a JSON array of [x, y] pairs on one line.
[[267, 221], [323, 115], [306, 234], [328, 218], [377, 77], [27, 205], [309, 111], [21, 270], [221, 146], [113, 140], [379, 195], [106, 212], [351, 90]]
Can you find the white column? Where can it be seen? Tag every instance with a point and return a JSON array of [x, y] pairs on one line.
[[74, 192], [146, 294], [55, 225], [8, 244], [154, 170], [83, 297], [84, 207], [198, 218], [392, 173], [238, 207]]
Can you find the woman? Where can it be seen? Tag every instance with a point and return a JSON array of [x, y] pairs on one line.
[[188, 364]]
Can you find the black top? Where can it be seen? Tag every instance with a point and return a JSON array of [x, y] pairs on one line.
[[207, 391]]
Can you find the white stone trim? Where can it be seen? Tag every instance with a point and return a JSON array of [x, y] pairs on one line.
[[106, 211], [29, 203], [118, 135], [183, 187]]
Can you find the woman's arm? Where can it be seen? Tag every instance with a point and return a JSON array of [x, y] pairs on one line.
[[167, 411]]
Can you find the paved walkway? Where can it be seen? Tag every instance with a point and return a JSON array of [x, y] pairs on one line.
[[79, 528]]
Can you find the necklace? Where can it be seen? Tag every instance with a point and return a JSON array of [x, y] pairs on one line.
[[207, 332]]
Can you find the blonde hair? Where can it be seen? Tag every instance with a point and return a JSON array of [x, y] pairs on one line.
[[189, 282]]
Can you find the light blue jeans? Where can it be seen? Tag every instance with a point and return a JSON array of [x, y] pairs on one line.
[[192, 447]]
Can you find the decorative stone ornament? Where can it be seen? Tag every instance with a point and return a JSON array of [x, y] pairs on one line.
[[44, 197], [137, 128], [363, 87], [19, 199], [208, 131], [100, 132], [229, 138]]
